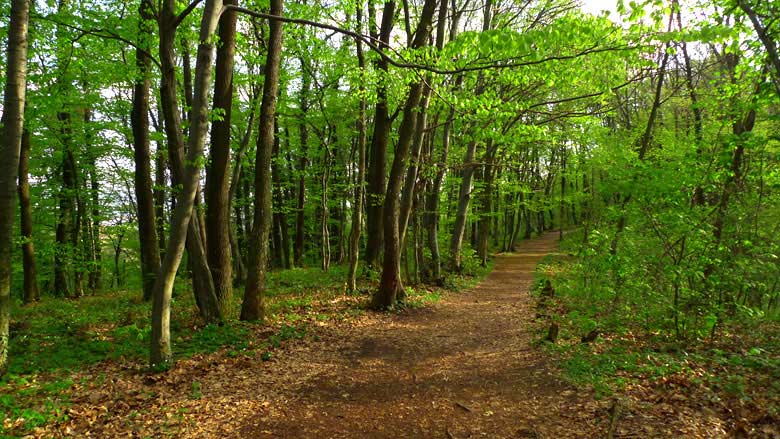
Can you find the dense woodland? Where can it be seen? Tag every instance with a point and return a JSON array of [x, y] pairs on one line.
[[198, 147]]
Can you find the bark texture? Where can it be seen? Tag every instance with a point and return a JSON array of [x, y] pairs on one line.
[[10, 145], [139, 119], [253, 306], [161, 353], [218, 176]]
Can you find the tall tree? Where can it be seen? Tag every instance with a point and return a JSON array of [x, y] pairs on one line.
[[161, 353], [218, 176], [31, 291], [253, 306], [391, 285], [357, 209], [139, 119], [10, 146], [377, 163]]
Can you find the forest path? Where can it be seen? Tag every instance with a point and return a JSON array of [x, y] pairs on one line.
[[464, 367]]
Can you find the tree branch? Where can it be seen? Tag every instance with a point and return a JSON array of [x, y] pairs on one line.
[[369, 41]]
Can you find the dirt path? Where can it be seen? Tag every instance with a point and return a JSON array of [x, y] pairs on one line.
[[462, 368]]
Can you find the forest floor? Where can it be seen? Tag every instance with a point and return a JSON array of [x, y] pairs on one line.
[[467, 366]]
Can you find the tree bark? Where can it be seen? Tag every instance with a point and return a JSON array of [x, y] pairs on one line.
[[408, 195], [303, 161], [161, 354], [390, 285], [217, 179], [464, 197], [253, 306], [357, 209], [10, 145], [325, 211], [377, 164], [31, 292], [96, 266], [139, 119], [487, 203], [234, 192], [160, 181], [431, 215]]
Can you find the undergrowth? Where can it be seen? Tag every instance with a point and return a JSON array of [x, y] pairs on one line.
[[636, 348]]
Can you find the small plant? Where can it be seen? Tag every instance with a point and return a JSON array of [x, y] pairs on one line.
[[195, 390]]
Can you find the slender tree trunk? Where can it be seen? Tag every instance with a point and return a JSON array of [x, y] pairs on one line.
[[485, 217], [303, 133], [408, 195], [64, 235], [159, 200], [161, 354], [10, 146], [357, 209], [280, 233], [202, 283], [96, 266], [217, 179], [160, 182], [325, 218], [280, 217], [464, 197], [31, 292], [239, 267], [253, 306], [139, 120], [377, 164]]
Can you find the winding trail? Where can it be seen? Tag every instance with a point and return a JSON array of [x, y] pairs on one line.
[[463, 368]]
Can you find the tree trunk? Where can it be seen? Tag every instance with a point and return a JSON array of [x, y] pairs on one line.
[[239, 267], [161, 354], [377, 163], [280, 234], [487, 204], [253, 306], [303, 133], [464, 197], [10, 145], [160, 181], [64, 235], [390, 285], [408, 195], [357, 209], [139, 119], [96, 267], [31, 292], [217, 179], [325, 211]]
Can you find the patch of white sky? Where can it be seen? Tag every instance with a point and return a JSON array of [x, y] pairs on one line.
[[596, 7]]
